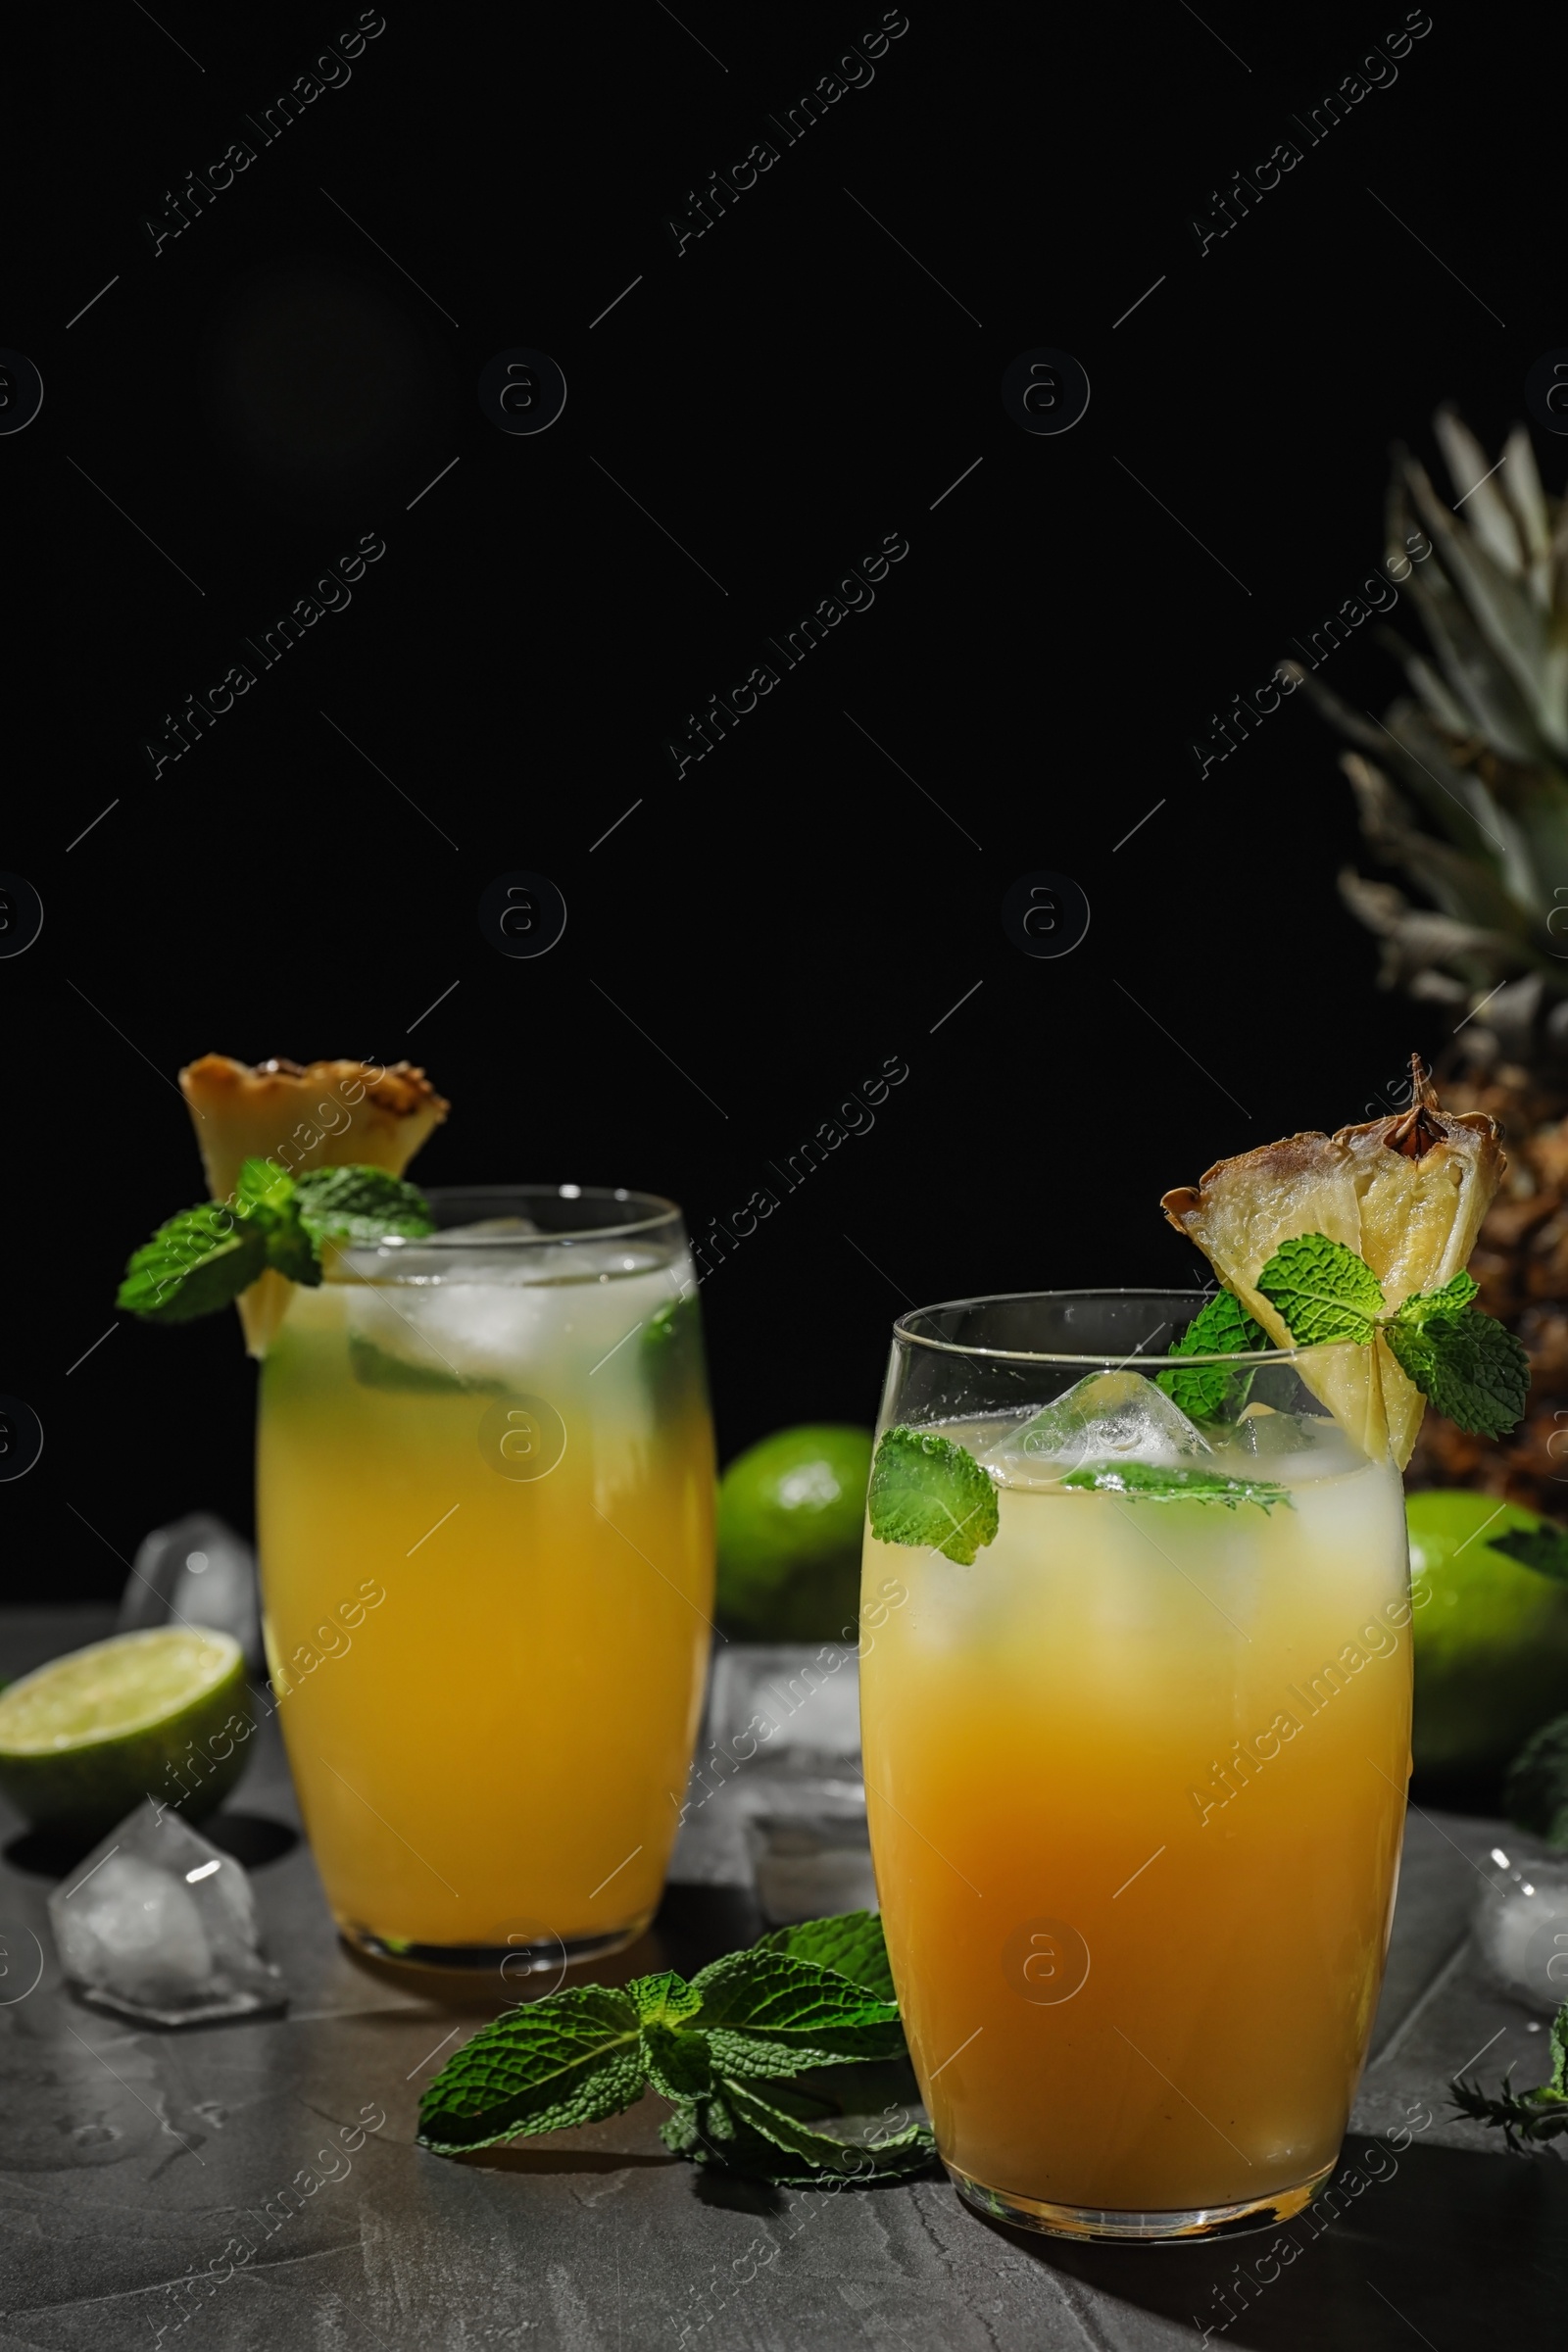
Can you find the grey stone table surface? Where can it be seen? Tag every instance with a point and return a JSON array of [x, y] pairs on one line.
[[131, 2161]]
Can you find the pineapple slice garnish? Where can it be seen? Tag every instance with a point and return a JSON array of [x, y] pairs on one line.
[[1407, 1194], [328, 1114]]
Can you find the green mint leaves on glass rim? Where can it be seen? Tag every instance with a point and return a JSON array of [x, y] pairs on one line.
[[1221, 1327], [927, 1492], [202, 1259], [804, 1999], [1470, 1366]]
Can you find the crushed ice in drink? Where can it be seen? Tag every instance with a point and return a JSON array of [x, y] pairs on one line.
[[158, 1925], [1109, 1417]]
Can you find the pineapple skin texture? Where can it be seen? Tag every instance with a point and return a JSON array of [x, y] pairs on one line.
[[1413, 1220], [323, 1115]]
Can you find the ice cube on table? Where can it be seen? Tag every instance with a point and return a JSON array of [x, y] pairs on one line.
[[159, 1924], [1109, 1417], [1521, 1926], [196, 1571], [811, 1865]]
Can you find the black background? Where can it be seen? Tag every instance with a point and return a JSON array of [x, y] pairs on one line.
[[793, 910]]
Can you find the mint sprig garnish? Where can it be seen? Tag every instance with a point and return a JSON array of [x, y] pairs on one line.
[[1527, 2119], [1148, 1481], [202, 1259], [1222, 1328], [359, 1207], [194, 1266], [928, 1492], [774, 2014], [1470, 1366], [1323, 1290]]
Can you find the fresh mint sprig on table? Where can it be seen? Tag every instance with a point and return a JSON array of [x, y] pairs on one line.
[[805, 1998], [202, 1259], [1527, 2119], [1465, 1362]]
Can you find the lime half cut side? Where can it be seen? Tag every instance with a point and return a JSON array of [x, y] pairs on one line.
[[164, 1714]]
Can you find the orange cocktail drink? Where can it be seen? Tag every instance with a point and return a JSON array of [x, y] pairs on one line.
[[485, 1492], [1136, 1780]]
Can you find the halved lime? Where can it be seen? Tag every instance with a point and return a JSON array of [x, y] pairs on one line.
[[165, 1714]]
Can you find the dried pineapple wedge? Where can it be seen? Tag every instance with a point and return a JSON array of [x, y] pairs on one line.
[[326, 1115], [1407, 1194]]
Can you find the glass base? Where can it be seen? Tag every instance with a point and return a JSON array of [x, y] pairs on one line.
[[517, 1960], [1100, 2222]]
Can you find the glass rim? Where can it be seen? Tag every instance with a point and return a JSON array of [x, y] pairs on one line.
[[1252, 1357], [653, 1213]]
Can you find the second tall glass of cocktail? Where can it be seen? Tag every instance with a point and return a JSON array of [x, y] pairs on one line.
[[1136, 1772], [485, 1495]]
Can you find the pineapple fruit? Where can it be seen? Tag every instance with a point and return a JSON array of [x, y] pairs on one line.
[[327, 1114], [1407, 1194], [1464, 789]]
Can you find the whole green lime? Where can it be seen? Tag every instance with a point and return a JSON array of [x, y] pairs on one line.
[[1491, 1637], [790, 1516]]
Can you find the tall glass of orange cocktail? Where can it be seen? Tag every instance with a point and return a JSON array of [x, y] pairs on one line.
[[1136, 1749], [486, 1493]]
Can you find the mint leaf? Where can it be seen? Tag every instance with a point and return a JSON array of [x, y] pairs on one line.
[[1222, 1328], [198, 1262], [1471, 1367], [663, 2000], [262, 1185], [571, 2058], [1527, 2119], [290, 1251], [671, 1326], [376, 1367], [1145, 1482], [746, 2133], [1536, 1792], [1460, 1293], [360, 1205], [927, 1491], [1323, 1290], [853, 1944], [679, 2065], [677, 2056], [1543, 1549], [764, 2013]]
